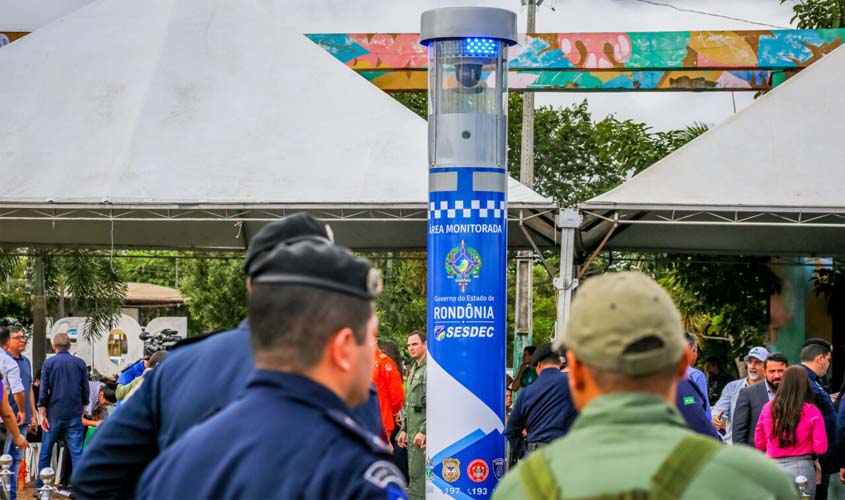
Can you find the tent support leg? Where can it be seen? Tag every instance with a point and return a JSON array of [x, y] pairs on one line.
[[567, 221], [537, 251]]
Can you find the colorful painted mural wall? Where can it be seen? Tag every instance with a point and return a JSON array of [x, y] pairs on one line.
[[584, 62], [623, 61]]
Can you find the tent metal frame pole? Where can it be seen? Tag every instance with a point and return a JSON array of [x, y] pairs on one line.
[[803, 219], [252, 216], [567, 221], [537, 251]]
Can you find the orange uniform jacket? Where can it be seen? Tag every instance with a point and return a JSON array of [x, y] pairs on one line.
[[391, 394]]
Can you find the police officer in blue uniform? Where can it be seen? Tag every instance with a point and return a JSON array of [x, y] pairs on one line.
[[199, 378], [815, 358], [545, 408], [291, 435]]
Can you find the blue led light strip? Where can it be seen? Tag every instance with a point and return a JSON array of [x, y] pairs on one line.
[[480, 46]]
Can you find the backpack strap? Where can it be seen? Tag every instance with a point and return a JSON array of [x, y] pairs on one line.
[[681, 465], [669, 482], [537, 478]]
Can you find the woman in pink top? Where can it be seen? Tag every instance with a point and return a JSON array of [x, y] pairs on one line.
[[791, 428]]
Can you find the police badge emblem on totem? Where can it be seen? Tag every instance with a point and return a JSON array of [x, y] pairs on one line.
[[478, 470], [451, 469], [499, 467]]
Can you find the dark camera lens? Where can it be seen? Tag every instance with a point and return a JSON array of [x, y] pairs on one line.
[[468, 74]]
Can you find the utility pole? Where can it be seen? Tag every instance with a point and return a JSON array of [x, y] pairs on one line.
[[526, 158], [523, 315]]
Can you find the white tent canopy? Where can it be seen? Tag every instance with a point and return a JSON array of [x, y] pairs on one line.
[[768, 181], [189, 124]]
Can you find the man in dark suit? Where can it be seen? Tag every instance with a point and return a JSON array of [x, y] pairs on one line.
[[751, 399]]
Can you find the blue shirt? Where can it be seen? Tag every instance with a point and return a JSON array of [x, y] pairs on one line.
[[191, 384], [26, 380], [691, 402], [64, 386], [288, 437], [544, 409], [131, 373], [697, 377], [727, 404]]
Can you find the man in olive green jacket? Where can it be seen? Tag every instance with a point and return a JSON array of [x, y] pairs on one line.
[[626, 351], [413, 425]]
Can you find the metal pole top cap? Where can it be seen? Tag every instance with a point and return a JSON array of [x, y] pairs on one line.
[[468, 22]]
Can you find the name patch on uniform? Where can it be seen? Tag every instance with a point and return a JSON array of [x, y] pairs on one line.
[[689, 400], [383, 473]]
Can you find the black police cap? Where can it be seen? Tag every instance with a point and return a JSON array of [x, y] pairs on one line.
[[544, 351], [293, 228], [319, 264], [819, 342]]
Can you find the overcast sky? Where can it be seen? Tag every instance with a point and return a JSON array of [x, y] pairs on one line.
[[660, 110]]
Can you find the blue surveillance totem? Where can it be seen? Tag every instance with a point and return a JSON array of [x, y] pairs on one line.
[[467, 248]]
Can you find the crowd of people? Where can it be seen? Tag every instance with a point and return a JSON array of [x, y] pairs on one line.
[[218, 416], [782, 411], [60, 406]]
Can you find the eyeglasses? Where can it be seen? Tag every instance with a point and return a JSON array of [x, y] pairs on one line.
[[18, 337]]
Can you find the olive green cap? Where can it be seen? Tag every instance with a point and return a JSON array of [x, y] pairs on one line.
[[625, 322]]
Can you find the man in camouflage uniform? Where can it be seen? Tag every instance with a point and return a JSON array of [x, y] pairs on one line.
[[413, 426]]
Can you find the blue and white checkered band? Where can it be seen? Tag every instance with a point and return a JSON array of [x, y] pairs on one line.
[[460, 209]]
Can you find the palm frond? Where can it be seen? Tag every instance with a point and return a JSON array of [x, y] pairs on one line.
[[93, 286], [9, 263]]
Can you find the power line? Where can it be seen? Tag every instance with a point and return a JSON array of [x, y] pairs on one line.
[[712, 14]]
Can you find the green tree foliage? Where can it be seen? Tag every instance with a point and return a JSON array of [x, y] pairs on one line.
[[830, 284], [159, 267], [75, 280], [15, 301], [214, 288], [415, 101], [817, 14], [576, 158], [90, 283], [402, 304], [724, 297]]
